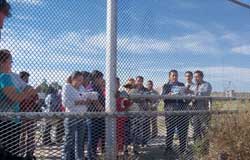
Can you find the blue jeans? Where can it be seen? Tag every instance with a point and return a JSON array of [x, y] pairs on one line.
[[96, 131], [73, 148]]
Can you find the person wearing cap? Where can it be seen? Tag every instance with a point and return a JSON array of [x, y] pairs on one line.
[[129, 85], [122, 105]]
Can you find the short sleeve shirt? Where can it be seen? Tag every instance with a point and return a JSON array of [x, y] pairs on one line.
[[6, 105]]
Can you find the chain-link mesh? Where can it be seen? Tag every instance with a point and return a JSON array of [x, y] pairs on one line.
[[52, 77]]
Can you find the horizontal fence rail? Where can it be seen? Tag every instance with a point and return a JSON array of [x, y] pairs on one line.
[[217, 98], [52, 115], [97, 69]]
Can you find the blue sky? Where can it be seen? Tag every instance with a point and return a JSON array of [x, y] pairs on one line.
[[50, 39]]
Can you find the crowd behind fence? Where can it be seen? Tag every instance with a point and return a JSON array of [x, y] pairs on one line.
[[83, 92], [71, 121]]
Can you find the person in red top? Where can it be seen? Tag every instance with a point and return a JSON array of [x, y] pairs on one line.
[[122, 104]]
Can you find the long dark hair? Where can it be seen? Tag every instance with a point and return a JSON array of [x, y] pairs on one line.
[[74, 75]]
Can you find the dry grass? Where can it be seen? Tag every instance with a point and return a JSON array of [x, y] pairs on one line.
[[229, 136]]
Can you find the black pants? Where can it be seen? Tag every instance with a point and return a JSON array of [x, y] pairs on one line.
[[10, 133], [180, 122]]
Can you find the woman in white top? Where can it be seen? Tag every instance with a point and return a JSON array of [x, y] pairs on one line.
[[74, 99]]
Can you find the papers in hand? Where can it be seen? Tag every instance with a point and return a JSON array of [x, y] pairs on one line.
[[177, 90], [88, 95]]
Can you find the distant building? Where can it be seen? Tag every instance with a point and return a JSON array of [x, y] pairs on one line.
[[230, 93]]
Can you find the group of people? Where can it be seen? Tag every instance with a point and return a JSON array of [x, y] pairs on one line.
[[85, 92], [142, 129], [181, 122]]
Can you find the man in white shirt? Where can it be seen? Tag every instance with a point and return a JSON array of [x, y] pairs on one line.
[[189, 79], [201, 121]]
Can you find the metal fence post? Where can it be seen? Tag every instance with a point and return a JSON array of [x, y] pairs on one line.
[[111, 68]]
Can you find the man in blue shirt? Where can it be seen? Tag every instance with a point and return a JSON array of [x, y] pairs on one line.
[[181, 122]]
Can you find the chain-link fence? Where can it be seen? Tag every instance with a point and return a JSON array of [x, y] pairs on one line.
[[183, 69]]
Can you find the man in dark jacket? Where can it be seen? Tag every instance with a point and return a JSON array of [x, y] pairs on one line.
[[172, 88]]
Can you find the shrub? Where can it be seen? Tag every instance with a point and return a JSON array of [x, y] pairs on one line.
[[229, 136]]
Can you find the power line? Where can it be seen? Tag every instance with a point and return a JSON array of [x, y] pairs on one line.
[[240, 3]]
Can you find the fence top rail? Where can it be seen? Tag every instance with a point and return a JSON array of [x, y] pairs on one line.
[[177, 97], [53, 115]]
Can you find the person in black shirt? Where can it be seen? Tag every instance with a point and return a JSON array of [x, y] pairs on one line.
[[181, 122], [96, 126]]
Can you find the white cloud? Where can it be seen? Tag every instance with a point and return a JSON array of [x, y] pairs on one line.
[[53, 51], [42, 57], [245, 49], [202, 42], [232, 37], [187, 24], [142, 45], [60, 49], [80, 42], [31, 2], [23, 17]]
